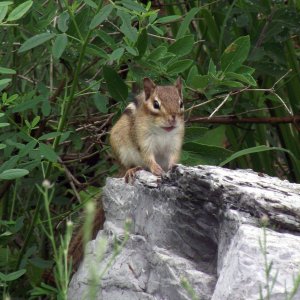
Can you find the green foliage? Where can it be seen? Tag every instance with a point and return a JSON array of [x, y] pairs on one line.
[[69, 68]]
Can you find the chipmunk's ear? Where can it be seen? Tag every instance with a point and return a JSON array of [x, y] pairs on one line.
[[149, 87], [178, 85]]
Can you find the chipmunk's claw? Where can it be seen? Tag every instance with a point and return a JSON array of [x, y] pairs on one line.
[[130, 174]]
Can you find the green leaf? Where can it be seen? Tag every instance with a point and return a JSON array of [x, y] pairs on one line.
[[10, 163], [182, 46], [132, 50], [36, 41], [212, 68], [233, 84], [101, 16], [193, 133], [153, 16], [13, 174], [28, 148], [5, 81], [116, 86], [179, 66], [157, 30], [235, 54], [96, 51], [12, 276], [142, 42], [101, 102], [49, 135], [252, 150], [245, 69], [2, 146], [3, 235], [168, 19], [196, 153], [48, 152], [46, 108], [193, 72], [211, 25], [6, 3], [5, 255], [107, 39], [41, 263], [59, 45], [134, 6], [63, 21], [116, 54], [212, 137], [11, 99], [3, 12], [186, 22], [43, 290], [18, 225], [20, 11], [7, 71], [91, 3], [30, 104], [199, 81], [247, 78], [158, 53], [126, 28], [35, 121]]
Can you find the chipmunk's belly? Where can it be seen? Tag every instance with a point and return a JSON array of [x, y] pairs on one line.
[[130, 157], [163, 145]]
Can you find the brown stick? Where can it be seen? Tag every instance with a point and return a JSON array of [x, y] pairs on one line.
[[235, 120]]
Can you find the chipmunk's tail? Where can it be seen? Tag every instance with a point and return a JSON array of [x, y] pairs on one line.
[[76, 247]]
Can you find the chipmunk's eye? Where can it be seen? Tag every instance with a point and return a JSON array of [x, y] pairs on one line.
[[156, 104], [181, 104]]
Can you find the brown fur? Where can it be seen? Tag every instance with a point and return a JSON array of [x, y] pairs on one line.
[[76, 250], [133, 135]]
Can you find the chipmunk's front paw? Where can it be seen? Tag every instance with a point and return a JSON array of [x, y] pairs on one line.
[[157, 170], [130, 174]]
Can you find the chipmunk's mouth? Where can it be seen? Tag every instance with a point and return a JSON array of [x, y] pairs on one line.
[[170, 128]]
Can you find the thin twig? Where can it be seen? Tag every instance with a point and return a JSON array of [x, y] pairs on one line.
[[72, 180], [162, 37], [219, 106], [81, 158], [281, 100], [234, 120], [27, 79], [283, 76], [255, 110]]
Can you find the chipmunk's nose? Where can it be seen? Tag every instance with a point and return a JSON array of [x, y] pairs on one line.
[[172, 120]]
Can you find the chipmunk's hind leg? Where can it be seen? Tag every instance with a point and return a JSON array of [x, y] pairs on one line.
[[130, 174]]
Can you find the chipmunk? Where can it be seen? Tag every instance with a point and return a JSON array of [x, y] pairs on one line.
[[149, 133]]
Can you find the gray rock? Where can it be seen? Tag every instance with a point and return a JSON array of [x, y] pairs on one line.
[[201, 224]]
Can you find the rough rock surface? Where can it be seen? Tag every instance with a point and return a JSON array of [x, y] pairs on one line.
[[202, 224]]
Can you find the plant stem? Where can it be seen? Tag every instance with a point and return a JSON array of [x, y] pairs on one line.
[[224, 25], [73, 20], [13, 201], [47, 201], [68, 100]]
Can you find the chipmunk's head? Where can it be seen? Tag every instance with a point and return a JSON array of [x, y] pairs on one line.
[[164, 104]]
